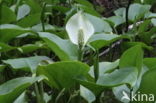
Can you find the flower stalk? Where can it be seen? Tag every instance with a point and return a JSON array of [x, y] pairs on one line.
[[79, 30]]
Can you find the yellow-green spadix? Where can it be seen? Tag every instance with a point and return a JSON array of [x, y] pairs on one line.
[[79, 29]]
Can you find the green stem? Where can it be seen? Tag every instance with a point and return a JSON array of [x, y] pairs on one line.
[[41, 91], [96, 65], [37, 93], [80, 54], [43, 17], [75, 95], [96, 71], [70, 99], [59, 95], [77, 85], [97, 99], [127, 10], [17, 5], [131, 90]]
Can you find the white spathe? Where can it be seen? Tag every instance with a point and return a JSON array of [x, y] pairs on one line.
[[76, 23]]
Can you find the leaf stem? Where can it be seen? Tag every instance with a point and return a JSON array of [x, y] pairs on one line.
[[127, 11], [37, 93], [43, 17], [131, 90], [59, 95], [41, 91], [96, 71], [96, 65], [17, 5]]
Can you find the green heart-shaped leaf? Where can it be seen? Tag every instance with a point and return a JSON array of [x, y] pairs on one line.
[[64, 49], [62, 74], [11, 89]]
